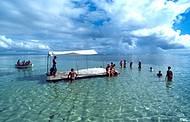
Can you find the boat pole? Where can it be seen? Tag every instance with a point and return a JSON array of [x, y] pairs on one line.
[[87, 62], [102, 57], [76, 63], [47, 64]]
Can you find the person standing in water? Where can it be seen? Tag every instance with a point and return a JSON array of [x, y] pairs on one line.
[[131, 64], [151, 69], [72, 75], [123, 63], [169, 74], [139, 65]]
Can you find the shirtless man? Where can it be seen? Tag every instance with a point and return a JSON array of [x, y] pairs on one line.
[[72, 75]]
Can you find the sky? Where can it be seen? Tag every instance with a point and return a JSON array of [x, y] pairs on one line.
[[108, 26]]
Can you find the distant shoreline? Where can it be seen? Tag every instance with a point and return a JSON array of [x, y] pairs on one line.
[[19, 54]]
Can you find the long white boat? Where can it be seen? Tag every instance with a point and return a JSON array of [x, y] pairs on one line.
[[82, 73]]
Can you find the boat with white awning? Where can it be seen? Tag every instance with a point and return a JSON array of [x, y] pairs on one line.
[[82, 73]]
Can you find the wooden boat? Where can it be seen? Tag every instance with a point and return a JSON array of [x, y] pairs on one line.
[[24, 66], [82, 73]]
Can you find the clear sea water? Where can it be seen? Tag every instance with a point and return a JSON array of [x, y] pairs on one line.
[[137, 96]]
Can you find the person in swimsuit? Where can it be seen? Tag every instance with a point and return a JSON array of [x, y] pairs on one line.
[[113, 71], [108, 70], [151, 69], [112, 64], [54, 62], [72, 75], [131, 64], [123, 63], [54, 68], [139, 65], [169, 74]]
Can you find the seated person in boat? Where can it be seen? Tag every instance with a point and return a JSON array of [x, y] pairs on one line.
[[18, 62], [72, 74], [159, 74], [23, 63], [27, 62]]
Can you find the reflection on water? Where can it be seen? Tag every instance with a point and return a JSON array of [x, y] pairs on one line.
[[132, 96], [3, 73], [169, 84]]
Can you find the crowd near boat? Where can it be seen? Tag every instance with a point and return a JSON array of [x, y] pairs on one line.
[[109, 70]]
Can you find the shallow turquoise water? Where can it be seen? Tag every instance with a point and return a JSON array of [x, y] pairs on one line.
[[132, 96]]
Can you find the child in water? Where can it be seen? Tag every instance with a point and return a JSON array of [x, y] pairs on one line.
[[151, 69], [159, 74]]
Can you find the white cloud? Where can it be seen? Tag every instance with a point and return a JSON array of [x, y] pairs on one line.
[[8, 43], [145, 12], [149, 22], [116, 25], [164, 33]]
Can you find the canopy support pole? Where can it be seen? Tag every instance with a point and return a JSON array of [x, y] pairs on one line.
[[47, 64], [102, 56], [76, 63], [87, 62]]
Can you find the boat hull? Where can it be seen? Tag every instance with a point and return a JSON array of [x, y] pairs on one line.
[[23, 67], [82, 74]]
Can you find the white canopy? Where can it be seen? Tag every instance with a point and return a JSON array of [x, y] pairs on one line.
[[78, 52]]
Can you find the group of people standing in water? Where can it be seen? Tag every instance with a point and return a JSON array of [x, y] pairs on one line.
[[123, 64], [169, 73]]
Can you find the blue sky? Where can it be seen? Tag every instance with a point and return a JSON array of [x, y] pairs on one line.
[[104, 25], [184, 24]]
